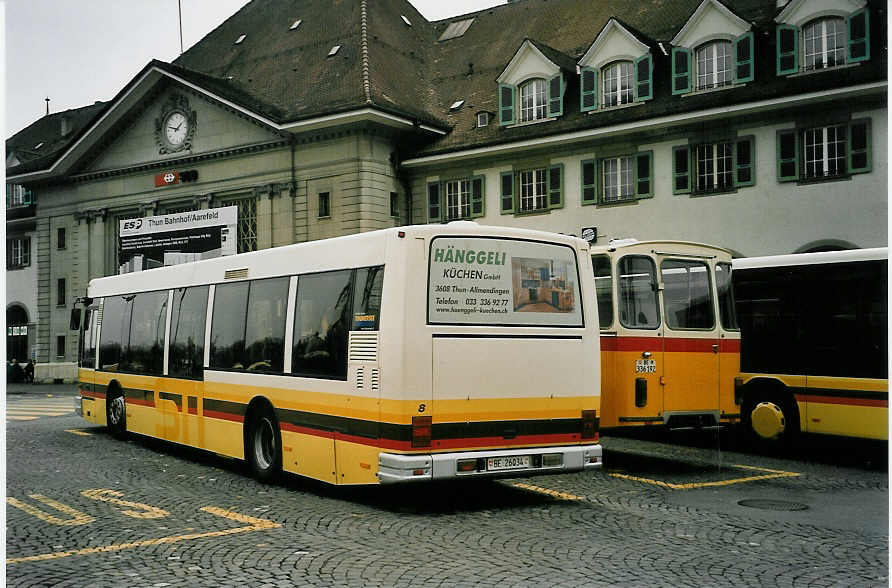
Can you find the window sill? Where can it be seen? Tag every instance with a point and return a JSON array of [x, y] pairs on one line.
[[693, 93], [326, 217], [811, 72], [626, 202], [535, 212], [824, 179], [527, 123], [617, 107], [11, 268], [707, 193]]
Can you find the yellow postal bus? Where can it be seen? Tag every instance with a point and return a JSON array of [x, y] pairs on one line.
[[814, 354], [407, 354], [670, 347]]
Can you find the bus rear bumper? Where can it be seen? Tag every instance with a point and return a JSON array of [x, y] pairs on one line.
[[394, 468]]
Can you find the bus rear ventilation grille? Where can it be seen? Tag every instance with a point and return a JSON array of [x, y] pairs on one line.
[[363, 346], [236, 274]]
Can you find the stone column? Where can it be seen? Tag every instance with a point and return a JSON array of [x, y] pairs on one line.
[[98, 254]]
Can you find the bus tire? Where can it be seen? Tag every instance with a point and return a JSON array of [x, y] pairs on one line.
[[263, 444], [116, 412], [771, 419]]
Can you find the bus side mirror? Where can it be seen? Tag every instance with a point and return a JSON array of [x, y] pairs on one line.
[[75, 323]]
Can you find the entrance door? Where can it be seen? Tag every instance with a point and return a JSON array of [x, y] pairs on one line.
[[17, 334]]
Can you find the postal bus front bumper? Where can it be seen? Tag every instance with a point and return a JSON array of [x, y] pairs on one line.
[[512, 463]]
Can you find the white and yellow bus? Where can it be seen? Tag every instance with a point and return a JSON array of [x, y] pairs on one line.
[[670, 346], [414, 353], [814, 355]]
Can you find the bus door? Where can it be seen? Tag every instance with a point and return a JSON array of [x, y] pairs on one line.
[[690, 339], [637, 396]]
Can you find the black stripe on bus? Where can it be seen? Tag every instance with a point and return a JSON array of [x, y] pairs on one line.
[[137, 394], [835, 393], [224, 406], [177, 398]]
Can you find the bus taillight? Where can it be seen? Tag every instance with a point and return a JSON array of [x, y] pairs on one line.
[[589, 424], [421, 431]]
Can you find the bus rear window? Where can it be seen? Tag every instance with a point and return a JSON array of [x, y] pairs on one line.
[[479, 281]]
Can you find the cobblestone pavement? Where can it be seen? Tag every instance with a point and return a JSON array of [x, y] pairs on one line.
[[86, 510]]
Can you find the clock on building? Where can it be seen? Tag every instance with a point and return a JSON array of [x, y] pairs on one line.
[[175, 127]]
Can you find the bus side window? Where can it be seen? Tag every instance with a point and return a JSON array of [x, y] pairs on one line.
[[638, 306], [115, 332], [726, 296], [265, 326], [321, 323], [367, 298], [687, 295], [228, 326], [603, 289], [187, 323], [144, 352]]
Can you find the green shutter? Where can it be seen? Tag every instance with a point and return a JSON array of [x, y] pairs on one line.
[[858, 25], [588, 89], [743, 58], [506, 104], [507, 180], [644, 71], [644, 173], [434, 210], [787, 49], [556, 95], [681, 70], [744, 161], [588, 179], [555, 186], [859, 147], [478, 197], [787, 155], [681, 169]]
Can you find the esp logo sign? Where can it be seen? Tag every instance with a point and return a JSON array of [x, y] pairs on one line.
[[132, 225], [170, 178]]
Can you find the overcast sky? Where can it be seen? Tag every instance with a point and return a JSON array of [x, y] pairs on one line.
[[79, 51]]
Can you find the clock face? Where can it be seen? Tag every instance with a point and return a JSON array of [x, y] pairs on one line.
[[176, 127]]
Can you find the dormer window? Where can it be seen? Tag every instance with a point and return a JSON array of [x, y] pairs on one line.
[[813, 41], [714, 67], [532, 100], [616, 70], [824, 43], [618, 83]]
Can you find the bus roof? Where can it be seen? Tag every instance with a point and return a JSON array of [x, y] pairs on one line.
[[654, 244], [350, 251], [848, 255]]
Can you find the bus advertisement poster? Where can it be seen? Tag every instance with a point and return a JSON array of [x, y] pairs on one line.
[[171, 239]]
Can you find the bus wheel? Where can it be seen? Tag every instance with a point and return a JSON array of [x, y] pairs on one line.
[[116, 413], [772, 422], [263, 445]]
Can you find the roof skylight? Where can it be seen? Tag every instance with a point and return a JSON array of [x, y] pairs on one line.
[[295, 24], [456, 105], [406, 20], [456, 29], [334, 50], [240, 39]]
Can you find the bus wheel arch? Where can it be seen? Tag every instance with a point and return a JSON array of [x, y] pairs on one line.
[[770, 414], [263, 440], [115, 410]]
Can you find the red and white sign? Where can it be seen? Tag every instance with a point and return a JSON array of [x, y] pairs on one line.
[[167, 179]]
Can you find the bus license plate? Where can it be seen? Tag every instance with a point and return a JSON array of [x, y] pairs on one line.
[[645, 366], [508, 462]]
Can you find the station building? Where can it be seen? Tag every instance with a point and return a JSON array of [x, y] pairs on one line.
[[756, 125]]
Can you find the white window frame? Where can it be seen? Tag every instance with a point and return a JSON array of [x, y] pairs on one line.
[[536, 91], [458, 199], [817, 145], [533, 190], [711, 164], [16, 194], [622, 73], [20, 255], [618, 179], [816, 33], [708, 53]]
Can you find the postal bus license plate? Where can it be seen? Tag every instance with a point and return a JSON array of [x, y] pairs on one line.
[[512, 462], [645, 366]]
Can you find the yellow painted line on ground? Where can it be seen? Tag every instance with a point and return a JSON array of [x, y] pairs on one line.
[[254, 524], [547, 491], [771, 474], [21, 418], [81, 433], [40, 411]]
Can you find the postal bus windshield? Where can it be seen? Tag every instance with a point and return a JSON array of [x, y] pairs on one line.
[[503, 282]]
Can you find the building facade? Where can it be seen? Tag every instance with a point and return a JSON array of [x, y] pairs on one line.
[[756, 125]]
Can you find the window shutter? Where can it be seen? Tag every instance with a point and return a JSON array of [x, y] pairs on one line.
[[644, 70], [787, 49], [588, 179], [434, 214], [506, 104], [507, 179], [681, 70], [744, 158], [588, 89], [477, 196], [858, 25], [555, 186], [27, 196], [556, 95], [681, 166], [787, 155], [743, 58], [859, 149], [644, 172]]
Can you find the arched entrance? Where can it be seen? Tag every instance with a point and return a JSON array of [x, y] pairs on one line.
[[16, 333]]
